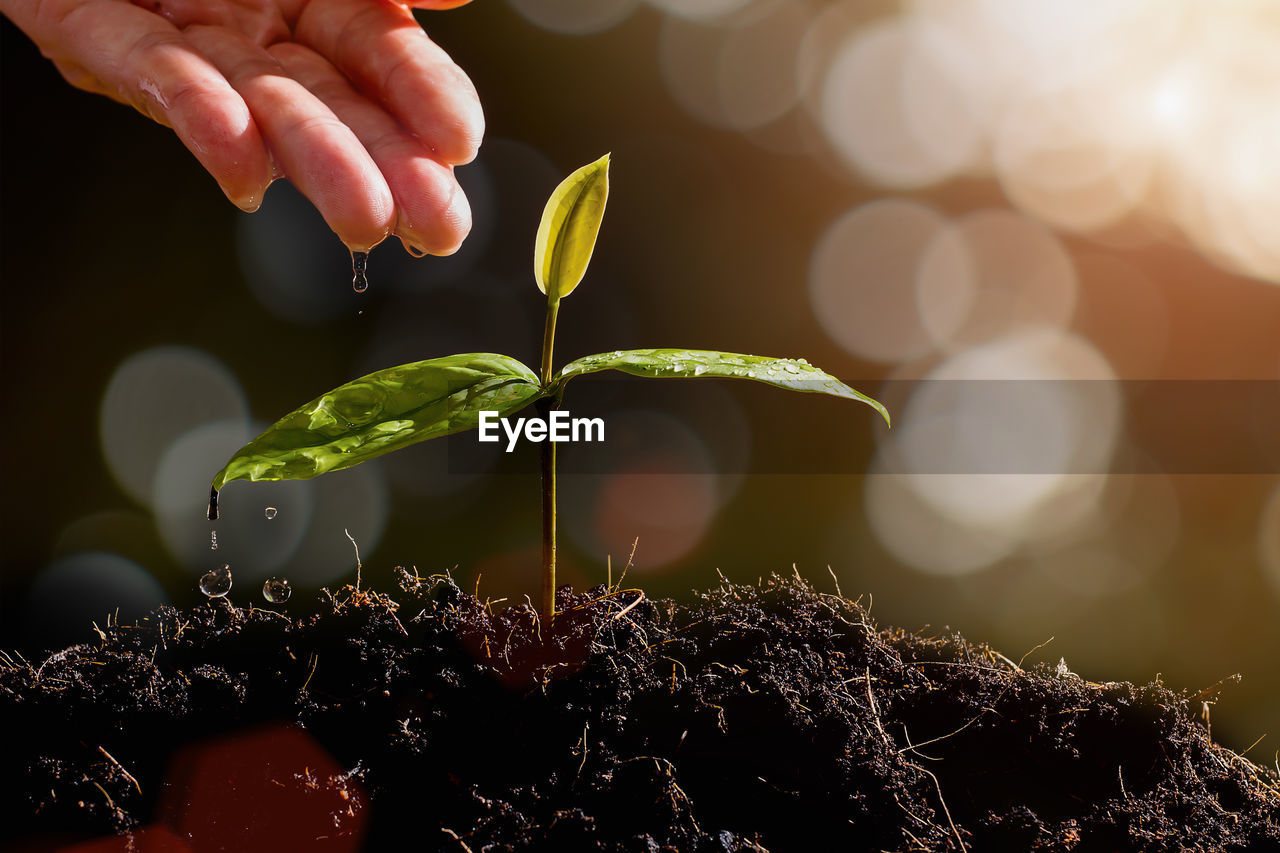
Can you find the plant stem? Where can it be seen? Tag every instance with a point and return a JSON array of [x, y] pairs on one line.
[[549, 340], [548, 451], [548, 454]]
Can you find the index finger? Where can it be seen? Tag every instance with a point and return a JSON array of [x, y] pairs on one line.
[[381, 48], [141, 59]]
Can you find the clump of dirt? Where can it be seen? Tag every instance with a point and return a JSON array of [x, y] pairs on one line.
[[770, 717]]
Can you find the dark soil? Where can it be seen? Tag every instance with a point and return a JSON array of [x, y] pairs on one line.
[[758, 718]]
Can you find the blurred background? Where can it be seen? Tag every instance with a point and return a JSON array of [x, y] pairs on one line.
[[1046, 235]]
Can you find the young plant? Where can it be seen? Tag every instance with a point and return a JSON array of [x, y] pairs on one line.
[[399, 406]]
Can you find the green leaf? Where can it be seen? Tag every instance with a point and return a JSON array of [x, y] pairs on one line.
[[381, 412], [567, 233], [792, 374]]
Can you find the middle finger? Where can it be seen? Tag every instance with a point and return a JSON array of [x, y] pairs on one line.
[[320, 154], [432, 214]]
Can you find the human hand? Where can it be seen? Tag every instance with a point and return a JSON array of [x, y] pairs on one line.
[[347, 98]]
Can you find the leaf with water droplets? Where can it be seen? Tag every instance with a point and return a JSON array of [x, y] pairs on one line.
[[567, 233], [381, 412], [792, 374]]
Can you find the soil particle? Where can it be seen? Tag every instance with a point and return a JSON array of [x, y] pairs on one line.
[[755, 718]]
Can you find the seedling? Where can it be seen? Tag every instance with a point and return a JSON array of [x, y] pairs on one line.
[[399, 406]]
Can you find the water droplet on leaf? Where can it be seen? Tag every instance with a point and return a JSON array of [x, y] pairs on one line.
[[269, 512], [359, 271], [216, 583], [277, 590]]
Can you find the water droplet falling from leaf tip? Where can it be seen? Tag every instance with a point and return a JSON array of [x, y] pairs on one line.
[[359, 271], [213, 504], [213, 540], [216, 583], [269, 512]]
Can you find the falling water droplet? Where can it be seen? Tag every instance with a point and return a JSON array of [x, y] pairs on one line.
[[216, 583], [359, 271], [269, 512], [277, 590], [213, 540], [213, 504]]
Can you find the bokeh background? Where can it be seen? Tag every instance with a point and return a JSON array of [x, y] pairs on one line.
[[1079, 198]]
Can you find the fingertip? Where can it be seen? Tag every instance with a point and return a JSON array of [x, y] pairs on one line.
[[457, 130], [435, 216], [229, 146], [468, 134], [247, 203], [362, 219]]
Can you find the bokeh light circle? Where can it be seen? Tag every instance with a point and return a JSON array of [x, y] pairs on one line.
[[990, 273], [700, 10], [660, 485], [757, 67], [1002, 446], [95, 586], [1053, 163], [688, 54], [354, 500], [864, 114], [154, 397], [863, 274], [1269, 539], [918, 535], [253, 545]]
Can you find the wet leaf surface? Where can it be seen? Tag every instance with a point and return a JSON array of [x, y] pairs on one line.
[[381, 412], [790, 373]]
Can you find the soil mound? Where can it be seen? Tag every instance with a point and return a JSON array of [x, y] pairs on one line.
[[770, 717]]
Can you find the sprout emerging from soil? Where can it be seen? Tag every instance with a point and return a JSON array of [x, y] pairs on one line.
[[399, 406]]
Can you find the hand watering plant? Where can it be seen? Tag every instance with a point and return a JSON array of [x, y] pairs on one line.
[[393, 408]]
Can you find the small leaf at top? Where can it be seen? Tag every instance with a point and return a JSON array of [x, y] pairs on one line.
[[567, 233], [381, 412], [792, 374]]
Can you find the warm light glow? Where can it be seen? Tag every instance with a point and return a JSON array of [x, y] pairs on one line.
[[996, 450], [1088, 114]]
